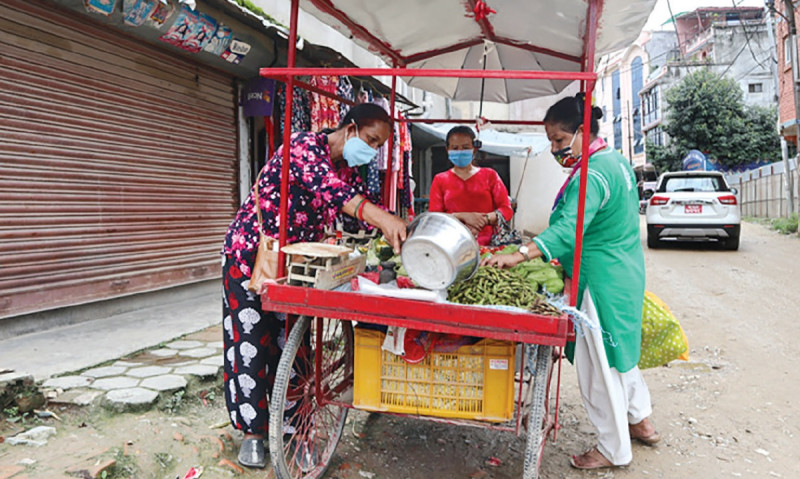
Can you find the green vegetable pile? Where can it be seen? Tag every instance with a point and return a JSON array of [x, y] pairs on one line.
[[542, 274], [494, 286]]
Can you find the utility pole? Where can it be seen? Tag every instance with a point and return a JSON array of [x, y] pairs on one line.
[[795, 74], [630, 132]]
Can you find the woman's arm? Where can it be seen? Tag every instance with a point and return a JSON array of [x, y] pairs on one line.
[[559, 238], [500, 201], [393, 227]]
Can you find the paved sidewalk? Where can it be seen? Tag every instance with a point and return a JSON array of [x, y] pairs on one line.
[[140, 379], [147, 360]]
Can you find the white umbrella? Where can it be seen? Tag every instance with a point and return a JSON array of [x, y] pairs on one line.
[[532, 35], [498, 57]]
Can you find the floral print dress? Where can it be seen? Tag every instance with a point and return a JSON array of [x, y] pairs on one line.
[[254, 338], [317, 192]]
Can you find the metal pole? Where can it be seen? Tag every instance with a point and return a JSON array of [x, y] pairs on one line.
[[282, 73], [589, 52], [630, 133], [483, 83], [787, 176], [287, 137]]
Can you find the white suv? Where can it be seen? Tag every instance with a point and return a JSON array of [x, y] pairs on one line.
[[693, 205]]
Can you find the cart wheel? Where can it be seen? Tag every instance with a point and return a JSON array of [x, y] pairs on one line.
[[538, 411], [302, 445]]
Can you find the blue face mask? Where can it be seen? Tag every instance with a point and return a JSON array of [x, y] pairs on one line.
[[460, 158], [357, 152]]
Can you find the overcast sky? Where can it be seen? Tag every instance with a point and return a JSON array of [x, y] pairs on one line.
[[661, 12]]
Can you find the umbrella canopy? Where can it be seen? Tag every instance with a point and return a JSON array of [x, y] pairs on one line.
[[521, 35], [498, 57]]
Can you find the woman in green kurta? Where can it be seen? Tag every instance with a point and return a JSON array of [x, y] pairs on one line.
[[611, 286]]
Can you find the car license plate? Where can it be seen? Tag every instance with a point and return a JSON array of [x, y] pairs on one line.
[[692, 209]]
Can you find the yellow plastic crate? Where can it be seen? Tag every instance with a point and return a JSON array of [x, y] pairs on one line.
[[474, 382]]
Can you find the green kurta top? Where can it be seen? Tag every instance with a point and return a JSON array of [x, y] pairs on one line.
[[612, 263]]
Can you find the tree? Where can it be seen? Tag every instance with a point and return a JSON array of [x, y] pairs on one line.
[[707, 113]]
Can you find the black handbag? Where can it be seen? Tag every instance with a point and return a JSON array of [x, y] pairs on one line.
[[504, 234]]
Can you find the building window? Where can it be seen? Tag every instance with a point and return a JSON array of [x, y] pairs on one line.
[[787, 53], [616, 109], [755, 88], [656, 136]]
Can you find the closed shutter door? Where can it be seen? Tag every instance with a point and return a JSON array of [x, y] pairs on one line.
[[117, 162]]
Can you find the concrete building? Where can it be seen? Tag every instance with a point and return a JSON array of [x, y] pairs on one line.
[[786, 77], [620, 79], [730, 41]]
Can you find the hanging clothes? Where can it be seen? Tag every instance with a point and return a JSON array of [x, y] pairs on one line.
[[324, 110], [407, 196], [344, 89], [383, 151], [301, 110]]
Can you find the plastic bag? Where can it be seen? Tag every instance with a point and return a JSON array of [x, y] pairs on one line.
[[663, 339]]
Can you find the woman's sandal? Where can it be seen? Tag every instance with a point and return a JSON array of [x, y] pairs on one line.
[[252, 454], [650, 440], [591, 459]]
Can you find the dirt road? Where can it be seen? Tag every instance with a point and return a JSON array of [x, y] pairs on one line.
[[728, 412]]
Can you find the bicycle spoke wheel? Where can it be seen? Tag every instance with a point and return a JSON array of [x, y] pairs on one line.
[[537, 415], [303, 433]]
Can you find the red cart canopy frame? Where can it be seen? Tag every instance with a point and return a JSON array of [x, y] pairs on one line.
[[523, 327], [587, 77]]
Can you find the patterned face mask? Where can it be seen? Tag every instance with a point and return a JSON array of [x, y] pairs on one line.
[[564, 156]]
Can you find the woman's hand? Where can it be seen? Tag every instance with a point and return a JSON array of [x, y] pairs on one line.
[[473, 221], [503, 261], [394, 229]]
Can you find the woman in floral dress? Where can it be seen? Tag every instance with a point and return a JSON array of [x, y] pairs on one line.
[[323, 181]]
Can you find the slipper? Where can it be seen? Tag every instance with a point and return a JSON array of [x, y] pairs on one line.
[[252, 454], [650, 440], [591, 459]]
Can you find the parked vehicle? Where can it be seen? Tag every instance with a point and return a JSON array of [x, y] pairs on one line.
[[693, 206]]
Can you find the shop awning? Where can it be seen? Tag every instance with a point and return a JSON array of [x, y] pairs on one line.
[[496, 142]]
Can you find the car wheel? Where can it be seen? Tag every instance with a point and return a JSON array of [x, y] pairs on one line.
[[652, 241], [731, 244]]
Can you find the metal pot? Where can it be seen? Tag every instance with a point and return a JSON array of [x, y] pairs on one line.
[[439, 251]]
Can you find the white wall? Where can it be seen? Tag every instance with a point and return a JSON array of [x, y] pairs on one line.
[[542, 179]]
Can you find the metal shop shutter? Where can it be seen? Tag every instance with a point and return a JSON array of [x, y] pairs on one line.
[[117, 162]]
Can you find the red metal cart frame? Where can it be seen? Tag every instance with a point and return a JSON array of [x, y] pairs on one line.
[[444, 318]]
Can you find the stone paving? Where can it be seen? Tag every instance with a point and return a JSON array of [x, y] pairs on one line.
[[141, 379]]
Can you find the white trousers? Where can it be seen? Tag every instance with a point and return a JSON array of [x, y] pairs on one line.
[[612, 399]]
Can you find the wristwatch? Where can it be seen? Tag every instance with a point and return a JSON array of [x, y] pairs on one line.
[[524, 250]]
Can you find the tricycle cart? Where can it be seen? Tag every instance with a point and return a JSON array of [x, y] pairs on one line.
[[525, 49]]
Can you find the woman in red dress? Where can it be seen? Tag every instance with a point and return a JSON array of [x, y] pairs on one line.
[[473, 195]]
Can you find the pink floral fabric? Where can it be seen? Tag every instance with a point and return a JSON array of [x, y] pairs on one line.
[[324, 110], [317, 192]]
